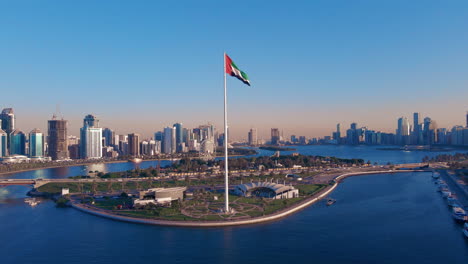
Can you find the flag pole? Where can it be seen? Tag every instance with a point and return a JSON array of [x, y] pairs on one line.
[[226, 170]]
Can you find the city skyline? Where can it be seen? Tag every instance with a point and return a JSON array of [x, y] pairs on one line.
[[399, 57], [239, 133]]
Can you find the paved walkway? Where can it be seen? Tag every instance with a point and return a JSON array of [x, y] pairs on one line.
[[460, 190]]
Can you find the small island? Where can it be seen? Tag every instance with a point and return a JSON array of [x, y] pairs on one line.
[[190, 192]]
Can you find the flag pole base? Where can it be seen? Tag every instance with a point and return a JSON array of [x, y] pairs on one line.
[[229, 211]]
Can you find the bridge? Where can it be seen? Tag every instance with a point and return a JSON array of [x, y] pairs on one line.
[[36, 183]]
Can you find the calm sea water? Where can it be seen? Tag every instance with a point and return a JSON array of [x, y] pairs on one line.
[[361, 152], [388, 218]]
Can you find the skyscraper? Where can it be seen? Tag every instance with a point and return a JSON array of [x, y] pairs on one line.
[[134, 144], [352, 135], [403, 131], [252, 136], [337, 133], [466, 119], [3, 143], [57, 139], [179, 135], [8, 120], [416, 129], [17, 143], [275, 136], [7, 123], [169, 137], [90, 121], [90, 138], [108, 136], [36, 143]]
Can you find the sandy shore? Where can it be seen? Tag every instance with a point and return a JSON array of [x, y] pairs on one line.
[[278, 215]]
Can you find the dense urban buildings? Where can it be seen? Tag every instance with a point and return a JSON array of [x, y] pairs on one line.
[[95, 142]]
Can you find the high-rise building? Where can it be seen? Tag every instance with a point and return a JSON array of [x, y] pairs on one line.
[[466, 119], [403, 131], [169, 138], [430, 131], [275, 136], [36, 143], [17, 143], [7, 124], [57, 139], [252, 136], [90, 121], [90, 138], [8, 120], [179, 135], [337, 133], [134, 144], [353, 135], [173, 141], [108, 136], [302, 140], [456, 135], [3, 143], [416, 136]]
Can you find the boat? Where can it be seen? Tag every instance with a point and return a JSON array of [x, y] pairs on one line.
[[465, 230], [442, 187], [459, 214], [135, 160], [446, 193], [330, 201], [436, 175], [439, 182], [453, 202], [31, 201]]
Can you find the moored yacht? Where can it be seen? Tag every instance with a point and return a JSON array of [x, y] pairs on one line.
[[439, 182], [459, 214], [442, 187], [446, 193], [452, 201]]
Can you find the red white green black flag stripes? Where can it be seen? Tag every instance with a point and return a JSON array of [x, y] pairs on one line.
[[234, 71]]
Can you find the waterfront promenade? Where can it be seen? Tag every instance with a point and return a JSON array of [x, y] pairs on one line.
[[456, 187], [275, 216]]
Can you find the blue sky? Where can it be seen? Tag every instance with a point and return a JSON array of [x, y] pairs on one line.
[[142, 65]]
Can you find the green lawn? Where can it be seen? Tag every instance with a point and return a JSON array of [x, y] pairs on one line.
[[309, 189], [110, 204]]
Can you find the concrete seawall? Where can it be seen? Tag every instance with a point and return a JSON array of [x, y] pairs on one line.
[[262, 219]]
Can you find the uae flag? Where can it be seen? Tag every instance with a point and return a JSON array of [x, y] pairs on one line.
[[232, 70]]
